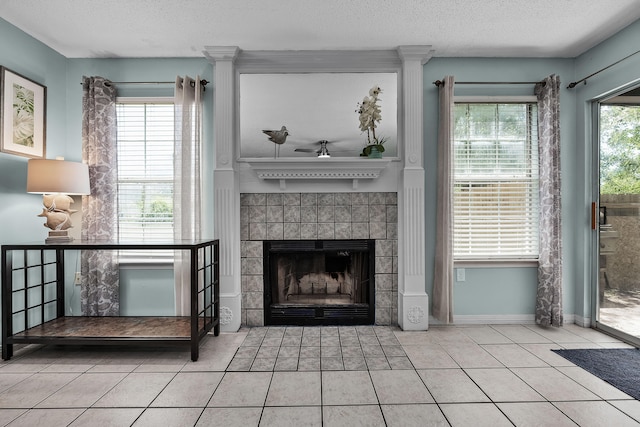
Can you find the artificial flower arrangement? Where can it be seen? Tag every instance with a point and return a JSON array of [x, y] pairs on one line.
[[370, 115]]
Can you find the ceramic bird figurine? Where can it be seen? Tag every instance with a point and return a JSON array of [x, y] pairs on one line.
[[278, 137]]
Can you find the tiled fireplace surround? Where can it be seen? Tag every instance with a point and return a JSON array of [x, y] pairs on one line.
[[319, 216]]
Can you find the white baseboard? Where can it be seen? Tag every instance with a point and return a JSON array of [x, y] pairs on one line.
[[507, 319], [493, 319], [585, 322]]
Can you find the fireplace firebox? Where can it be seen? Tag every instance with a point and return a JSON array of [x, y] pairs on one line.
[[319, 282]]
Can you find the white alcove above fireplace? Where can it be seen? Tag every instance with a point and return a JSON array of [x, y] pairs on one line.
[[315, 95], [314, 107], [400, 173]]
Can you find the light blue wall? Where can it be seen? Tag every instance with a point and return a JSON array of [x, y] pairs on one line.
[[489, 292], [486, 291], [23, 54], [611, 81], [27, 56], [147, 292], [144, 291], [144, 70], [500, 291]]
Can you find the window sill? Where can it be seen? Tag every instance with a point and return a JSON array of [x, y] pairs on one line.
[[144, 263], [494, 263]]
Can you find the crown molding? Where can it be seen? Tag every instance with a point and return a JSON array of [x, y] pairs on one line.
[[318, 61], [221, 53], [422, 53]]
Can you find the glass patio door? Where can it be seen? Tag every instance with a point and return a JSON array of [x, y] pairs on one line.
[[618, 310]]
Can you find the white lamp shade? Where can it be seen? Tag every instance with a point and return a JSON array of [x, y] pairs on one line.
[[57, 176]]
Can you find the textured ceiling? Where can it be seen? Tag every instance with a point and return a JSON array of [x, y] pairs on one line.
[[173, 28]]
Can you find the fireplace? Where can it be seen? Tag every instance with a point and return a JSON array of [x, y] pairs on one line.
[[319, 282], [308, 199], [311, 217]]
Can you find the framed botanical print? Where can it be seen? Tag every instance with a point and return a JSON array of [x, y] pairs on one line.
[[22, 115]]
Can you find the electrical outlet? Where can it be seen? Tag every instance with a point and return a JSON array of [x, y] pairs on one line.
[[460, 275], [78, 279]]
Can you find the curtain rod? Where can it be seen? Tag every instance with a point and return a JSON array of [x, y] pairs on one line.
[[203, 82], [441, 82], [584, 79]]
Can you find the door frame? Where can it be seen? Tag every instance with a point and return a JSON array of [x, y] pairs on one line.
[[595, 240]]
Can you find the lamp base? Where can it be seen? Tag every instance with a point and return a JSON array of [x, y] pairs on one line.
[[58, 236]]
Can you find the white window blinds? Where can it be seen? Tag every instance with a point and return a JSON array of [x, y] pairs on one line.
[[145, 170], [495, 204]]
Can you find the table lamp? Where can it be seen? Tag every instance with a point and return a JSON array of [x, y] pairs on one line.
[[56, 180]]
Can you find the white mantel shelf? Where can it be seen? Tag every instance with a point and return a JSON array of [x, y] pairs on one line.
[[346, 168]]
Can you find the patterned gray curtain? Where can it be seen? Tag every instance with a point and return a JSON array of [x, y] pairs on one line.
[[100, 294], [549, 297], [442, 305]]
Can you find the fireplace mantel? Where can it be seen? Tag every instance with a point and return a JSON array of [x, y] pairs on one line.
[[353, 169], [406, 176]]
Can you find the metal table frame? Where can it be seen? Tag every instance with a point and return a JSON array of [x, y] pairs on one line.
[[33, 274]]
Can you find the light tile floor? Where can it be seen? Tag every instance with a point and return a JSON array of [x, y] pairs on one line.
[[332, 376]]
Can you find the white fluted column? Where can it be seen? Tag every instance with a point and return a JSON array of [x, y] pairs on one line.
[[413, 301], [226, 184]]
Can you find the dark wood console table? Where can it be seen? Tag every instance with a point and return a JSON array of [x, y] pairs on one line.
[[33, 299]]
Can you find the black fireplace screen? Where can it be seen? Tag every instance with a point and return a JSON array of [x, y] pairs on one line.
[[319, 282]]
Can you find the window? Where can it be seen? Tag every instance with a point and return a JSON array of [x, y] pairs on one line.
[[145, 170], [495, 200]]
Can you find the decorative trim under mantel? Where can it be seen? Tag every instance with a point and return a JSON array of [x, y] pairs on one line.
[[340, 168]]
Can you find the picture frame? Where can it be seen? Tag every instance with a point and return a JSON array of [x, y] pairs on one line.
[[22, 115]]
